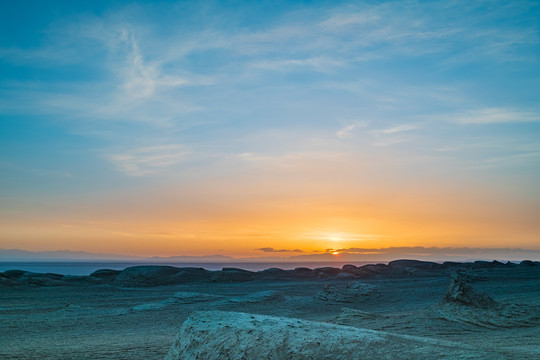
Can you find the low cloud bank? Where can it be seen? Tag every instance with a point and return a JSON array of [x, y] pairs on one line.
[[428, 253]]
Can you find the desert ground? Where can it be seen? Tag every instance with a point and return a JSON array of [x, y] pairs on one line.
[[485, 309]]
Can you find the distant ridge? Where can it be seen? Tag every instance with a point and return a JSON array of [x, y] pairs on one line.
[[149, 275], [345, 255]]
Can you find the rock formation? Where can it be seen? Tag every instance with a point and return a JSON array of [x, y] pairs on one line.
[[230, 335], [463, 294]]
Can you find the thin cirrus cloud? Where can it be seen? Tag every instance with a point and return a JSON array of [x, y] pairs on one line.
[[393, 135], [139, 60], [142, 80], [147, 160], [496, 116], [322, 64], [348, 130], [396, 129], [135, 88]]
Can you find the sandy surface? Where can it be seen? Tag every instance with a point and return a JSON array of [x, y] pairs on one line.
[[107, 321]]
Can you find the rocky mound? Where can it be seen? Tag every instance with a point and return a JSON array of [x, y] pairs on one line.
[[151, 275], [464, 305], [353, 292], [462, 294], [233, 275], [231, 335]]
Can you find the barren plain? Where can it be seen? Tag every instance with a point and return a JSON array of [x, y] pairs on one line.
[[487, 309]]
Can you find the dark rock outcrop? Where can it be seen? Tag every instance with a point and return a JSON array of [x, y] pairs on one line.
[[105, 274], [462, 294], [327, 271], [274, 273], [233, 275], [159, 275], [416, 264]]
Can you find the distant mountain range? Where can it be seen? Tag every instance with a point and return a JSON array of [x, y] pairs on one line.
[[345, 255]]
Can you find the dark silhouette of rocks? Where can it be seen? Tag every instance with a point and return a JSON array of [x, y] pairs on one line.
[[274, 273], [327, 271], [233, 275], [375, 268], [105, 274], [417, 264], [303, 273], [158, 275]]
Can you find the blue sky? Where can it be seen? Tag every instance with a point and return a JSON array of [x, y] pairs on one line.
[[111, 111]]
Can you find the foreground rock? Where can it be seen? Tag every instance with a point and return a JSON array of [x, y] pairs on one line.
[[462, 294], [472, 308], [231, 335]]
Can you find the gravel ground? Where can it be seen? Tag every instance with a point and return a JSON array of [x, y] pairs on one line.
[[108, 322]]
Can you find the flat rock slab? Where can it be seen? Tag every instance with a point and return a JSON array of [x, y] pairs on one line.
[[231, 335]]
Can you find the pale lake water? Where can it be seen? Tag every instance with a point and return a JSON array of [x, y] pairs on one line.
[[87, 267]]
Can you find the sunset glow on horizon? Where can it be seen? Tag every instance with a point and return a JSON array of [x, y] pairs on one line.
[[269, 128]]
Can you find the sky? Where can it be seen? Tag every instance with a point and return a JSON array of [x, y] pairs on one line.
[[257, 128]]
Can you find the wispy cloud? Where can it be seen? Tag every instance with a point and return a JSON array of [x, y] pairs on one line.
[[132, 84], [148, 70], [396, 129], [321, 64], [146, 160], [348, 130], [393, 135], [496, 116], [343, 19]]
